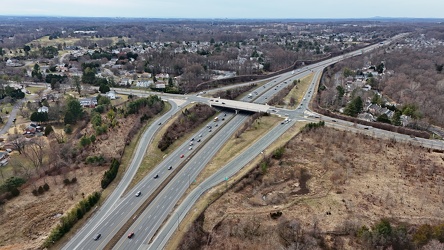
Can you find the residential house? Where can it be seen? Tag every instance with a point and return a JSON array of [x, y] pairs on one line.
[[88, 102], [111, 95], [43, 109], [374, 109], [366, 117]]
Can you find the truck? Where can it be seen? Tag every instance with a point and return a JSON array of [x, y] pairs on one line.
[[250, 95]]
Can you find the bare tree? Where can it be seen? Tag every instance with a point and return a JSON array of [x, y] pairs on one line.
[[35, 152], [18, 142]]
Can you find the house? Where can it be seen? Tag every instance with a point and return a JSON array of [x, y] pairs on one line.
[[374, 109], [111, 95], [88, 102], [43, 109], [30, 130], [366, 117]]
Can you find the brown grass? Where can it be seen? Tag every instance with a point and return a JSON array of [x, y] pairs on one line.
[[359, 180], [221, 158]]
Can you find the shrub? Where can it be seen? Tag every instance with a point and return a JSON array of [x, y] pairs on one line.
[[74, 180], [35, 192], [46, 187], [15, 192], [48, 130], [68, 129], [41, 191], [66, 181], [110, 174]]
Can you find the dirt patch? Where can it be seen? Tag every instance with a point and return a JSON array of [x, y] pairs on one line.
[[350, 180]]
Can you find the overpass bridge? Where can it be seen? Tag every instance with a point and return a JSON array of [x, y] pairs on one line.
[[238, 105]]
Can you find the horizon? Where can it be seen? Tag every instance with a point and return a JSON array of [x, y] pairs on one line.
[[229, 9]]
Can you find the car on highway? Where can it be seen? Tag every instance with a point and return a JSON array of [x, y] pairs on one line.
[[130, 235], [170, 167], [138, 194], [160, 123], [333, 120], [97, 236], [223, 119], [190, 148], [192, 139], [198, 140], [191, 143], [200, 135], [209, 130], [156, 176], [182, 155]]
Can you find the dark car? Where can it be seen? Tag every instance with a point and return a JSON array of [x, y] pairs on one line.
[[130, 235], [198, 140], [160, 123], [333, 120], [97, 236], [170, 167], [156, 176]]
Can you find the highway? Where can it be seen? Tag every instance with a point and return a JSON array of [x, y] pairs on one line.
[[116, 211], [113, 199]]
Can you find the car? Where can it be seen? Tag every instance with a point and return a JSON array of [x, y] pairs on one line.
[[216, 125], [225, 114], [170, 167], [156, 176], [223, 102], [190, 148], [160, 123], [97, 236], [191, 143], [192, 139], [181, 156], [366, 128], [198, 140], [138, 194], [282, 122], [130, 235], [209, 130], [217, 100], [200, 135], [333, 120], [223, 119]]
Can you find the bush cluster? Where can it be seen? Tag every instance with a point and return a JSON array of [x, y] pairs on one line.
[[70, 219], [41, 190], [68, 181], [110, 174], [11, 185], [99, 160], [313, 125]]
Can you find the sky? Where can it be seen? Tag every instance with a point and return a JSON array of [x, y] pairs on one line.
[[249, 9]]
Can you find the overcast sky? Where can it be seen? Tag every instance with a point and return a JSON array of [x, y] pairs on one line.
[[226, 8]]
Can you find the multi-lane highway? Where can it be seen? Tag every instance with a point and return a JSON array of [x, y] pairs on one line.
[[118, 210]]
